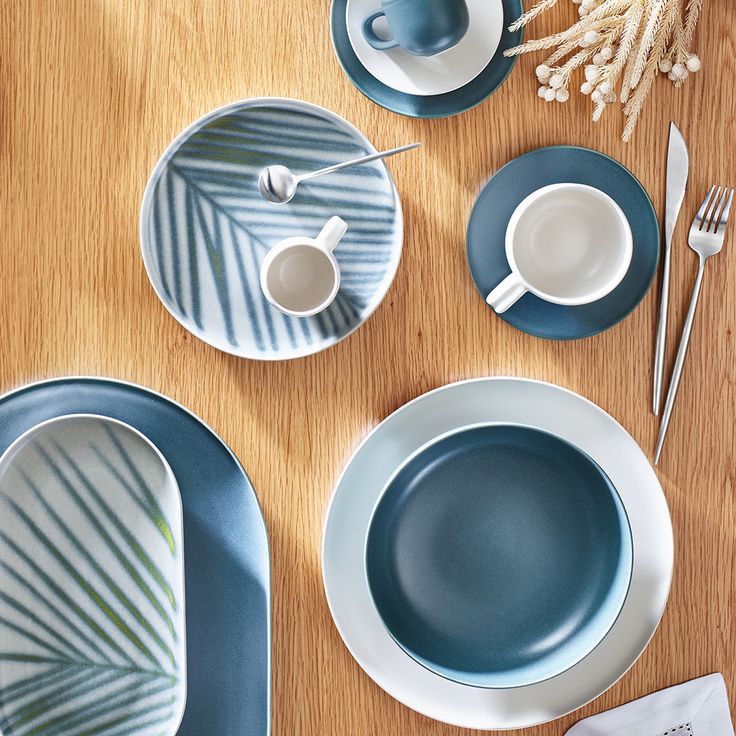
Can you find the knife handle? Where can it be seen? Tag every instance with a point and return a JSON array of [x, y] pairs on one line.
[[661, 331]]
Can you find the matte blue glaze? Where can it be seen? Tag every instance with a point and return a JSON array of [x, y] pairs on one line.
[[499, 556], [227, 564], [420, 27], [431, 106], [519, 178]]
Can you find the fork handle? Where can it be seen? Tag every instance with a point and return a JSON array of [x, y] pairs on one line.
[[680, 360]]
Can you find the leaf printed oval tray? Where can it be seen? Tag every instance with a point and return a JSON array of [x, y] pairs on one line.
[[92, 635], [205, 228]]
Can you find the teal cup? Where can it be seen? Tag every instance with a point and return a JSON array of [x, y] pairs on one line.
[[420, 27]]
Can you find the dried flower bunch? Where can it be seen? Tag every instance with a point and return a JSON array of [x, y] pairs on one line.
[[622, 45]]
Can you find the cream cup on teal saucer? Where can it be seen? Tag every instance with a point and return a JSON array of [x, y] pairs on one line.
[[568, 244]]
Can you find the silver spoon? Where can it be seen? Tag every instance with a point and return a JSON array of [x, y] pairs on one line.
[[278, 184]]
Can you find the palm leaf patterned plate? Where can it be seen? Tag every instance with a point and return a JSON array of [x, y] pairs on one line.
[[205, 228], [92, 636]]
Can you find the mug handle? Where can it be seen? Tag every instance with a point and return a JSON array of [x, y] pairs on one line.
[[372, 37], [507, 293], [331, 234]]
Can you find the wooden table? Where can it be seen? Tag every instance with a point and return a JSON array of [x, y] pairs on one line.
[[92, 91]]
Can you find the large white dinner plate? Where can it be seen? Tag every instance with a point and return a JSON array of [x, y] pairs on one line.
[[536, 404], [429, 75]]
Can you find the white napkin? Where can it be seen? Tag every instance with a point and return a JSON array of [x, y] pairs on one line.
[[695, 708]]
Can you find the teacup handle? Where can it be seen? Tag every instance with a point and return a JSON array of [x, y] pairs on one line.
[[331, 234], [372, 37], [507, 293]]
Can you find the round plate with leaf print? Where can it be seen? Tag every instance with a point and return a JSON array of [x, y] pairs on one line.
[[92, 635], [205, 228]]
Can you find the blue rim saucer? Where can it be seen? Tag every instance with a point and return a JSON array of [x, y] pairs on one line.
[[432, 106], [519, 178]]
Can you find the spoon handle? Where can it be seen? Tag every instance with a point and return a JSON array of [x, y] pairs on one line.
[[356, 161]]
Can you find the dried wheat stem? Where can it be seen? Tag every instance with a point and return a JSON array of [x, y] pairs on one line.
[[575, 32], [562, 51], [628, 70], [659, 47], [691, 21], [651, 32], [532, 13], [628, 39]]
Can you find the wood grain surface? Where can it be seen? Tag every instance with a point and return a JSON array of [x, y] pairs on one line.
[[92, 91]]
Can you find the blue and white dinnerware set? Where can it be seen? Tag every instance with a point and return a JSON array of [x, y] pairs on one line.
[[496, 553]]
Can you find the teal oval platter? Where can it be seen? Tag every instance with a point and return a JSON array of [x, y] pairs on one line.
[[427, 106], [226, 559], [499, 556], [511, 184], [91, 582]]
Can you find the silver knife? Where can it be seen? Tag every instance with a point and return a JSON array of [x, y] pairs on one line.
[[677, 168]]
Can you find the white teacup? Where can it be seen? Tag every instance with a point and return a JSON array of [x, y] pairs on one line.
[[301, 276], [569, 244]]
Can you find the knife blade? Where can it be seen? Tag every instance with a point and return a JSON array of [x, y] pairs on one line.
[[678, 164]]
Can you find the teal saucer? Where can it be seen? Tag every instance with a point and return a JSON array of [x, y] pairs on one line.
[[431, 106], [519, 178]]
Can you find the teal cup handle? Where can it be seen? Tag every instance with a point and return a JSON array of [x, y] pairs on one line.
[[371, 36]]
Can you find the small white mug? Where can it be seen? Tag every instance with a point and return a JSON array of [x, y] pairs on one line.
[[301, 276], [569, 244]]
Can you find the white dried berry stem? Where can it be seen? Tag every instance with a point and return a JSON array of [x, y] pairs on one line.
[[596, 20], [620, 42], [576, 61], [677, 51], [573, 44], [541, 7]]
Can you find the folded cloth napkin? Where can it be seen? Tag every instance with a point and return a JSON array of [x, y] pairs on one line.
[[695, 708]]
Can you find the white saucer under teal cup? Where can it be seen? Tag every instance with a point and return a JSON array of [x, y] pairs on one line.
[[226, 560], [429, 75], [481, 82], [512, 184], [206, 229]]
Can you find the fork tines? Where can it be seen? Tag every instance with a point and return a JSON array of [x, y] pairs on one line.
[[714, 211]]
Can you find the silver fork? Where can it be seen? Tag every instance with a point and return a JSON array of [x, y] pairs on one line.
[[706, 239]]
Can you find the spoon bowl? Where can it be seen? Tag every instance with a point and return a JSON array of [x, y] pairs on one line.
[[277, 184]]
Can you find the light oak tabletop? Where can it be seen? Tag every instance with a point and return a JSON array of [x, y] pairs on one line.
[[91, 93]]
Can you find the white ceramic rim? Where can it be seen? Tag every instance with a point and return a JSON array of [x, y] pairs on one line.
[[482, 425], [615, 279], [364, 52], [546, 407], [147, 202], [22, 439]]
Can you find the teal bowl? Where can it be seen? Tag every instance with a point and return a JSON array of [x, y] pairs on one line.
[[499, 556]]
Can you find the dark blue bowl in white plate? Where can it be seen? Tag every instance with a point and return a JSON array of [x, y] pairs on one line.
[[499, 556]]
